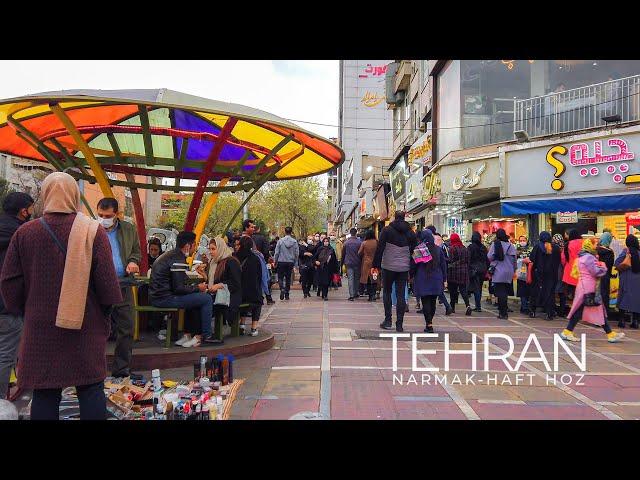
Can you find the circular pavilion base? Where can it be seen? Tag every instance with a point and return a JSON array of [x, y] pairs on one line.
[[150, 353]]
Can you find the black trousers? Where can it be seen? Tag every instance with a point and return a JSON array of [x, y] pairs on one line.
[[429, 308], [123, 318], [324, 290], [93, 404], [502, 292], [285, 270], [306, 276], [371, 287], [388, 279], [454, 288], [573, 321]]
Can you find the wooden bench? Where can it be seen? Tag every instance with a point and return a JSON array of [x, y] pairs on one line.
[[235, 323], [148, 308]]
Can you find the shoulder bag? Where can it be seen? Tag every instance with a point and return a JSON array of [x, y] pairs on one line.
[[626, 263], [223, 296]]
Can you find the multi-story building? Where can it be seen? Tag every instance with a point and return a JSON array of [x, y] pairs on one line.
[[24, 175], [409, 97], [532, 145], [365, 125]]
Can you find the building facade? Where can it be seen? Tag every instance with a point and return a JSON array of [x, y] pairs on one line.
[[365, 127], [493, 118]]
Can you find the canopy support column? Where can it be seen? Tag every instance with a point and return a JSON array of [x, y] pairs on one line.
[[206, 211], [140, 226], [101, 177]]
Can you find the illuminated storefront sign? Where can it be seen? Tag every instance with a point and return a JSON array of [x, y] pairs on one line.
[[470, 178], [420, 152], [374, 71]]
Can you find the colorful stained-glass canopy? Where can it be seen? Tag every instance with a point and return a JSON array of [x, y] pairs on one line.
[[160, 134]]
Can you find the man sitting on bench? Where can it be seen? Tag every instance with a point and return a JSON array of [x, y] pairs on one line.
[[169, 288]]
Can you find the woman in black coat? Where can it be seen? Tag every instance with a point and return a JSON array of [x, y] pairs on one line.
[[545, 257], [224, 268], [326, 266], [478, 265], [251, 281], [305, 262]]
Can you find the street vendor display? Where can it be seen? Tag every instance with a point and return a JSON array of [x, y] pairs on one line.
[[208, 397]]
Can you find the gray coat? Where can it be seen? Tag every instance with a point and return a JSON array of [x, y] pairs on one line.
[[287, 251], [350, 252], [505, 268], [629, 290]]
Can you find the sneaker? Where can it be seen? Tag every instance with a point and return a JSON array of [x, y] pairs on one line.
[[194, 342], [449, 311], [325, 299], [399, 328], [477, 309], [419, 311], [281, 295], [212, 339], [254, 332], [243, 329], [185, 338], [286, 296], [567, 335], [386, 326], [162, 337], [468, 312], [615, 337], [162, 332], [350, 299], [502, 317], [428, 329]]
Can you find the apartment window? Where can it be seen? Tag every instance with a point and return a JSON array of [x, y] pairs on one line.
[[414, 115], [396, 121], [424, 68]]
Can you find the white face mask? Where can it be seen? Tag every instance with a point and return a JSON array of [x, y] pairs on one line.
[[523, 244], [107, 222]]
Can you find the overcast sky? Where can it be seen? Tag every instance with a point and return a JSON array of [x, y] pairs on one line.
[[294, 89]]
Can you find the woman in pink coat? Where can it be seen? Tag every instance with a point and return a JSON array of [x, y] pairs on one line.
[[590, 270]]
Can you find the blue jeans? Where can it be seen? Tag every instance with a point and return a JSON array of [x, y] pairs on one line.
[[524, 304], [353, 273], [198, 300]]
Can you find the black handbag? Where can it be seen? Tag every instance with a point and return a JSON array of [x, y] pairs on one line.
[[491, 270]]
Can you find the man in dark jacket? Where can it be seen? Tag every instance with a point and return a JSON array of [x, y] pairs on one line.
[[393, 256], [262, 245], [351, 259], [17, 209], [125, 249], [169, 287]]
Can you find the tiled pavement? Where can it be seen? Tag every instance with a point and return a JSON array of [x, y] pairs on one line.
[[317, 365]]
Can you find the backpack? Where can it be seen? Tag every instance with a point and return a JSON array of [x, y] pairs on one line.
[[421, 253]]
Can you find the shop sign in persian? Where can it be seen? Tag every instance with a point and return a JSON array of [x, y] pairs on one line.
[[420, 152], [398, 178], [380, 210], [598, 164], [567, 217], [363, 206], [469, 179], [431, 187]]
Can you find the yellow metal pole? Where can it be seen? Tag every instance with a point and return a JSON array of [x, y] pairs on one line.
[[101, 177], [202, 221]]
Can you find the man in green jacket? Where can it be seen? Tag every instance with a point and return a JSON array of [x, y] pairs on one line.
[[125, 250]]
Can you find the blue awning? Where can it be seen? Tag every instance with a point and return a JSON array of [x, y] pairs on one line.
[[609, 203]]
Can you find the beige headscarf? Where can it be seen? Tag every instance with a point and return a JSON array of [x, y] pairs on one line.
[[61, 194], [222, 251]]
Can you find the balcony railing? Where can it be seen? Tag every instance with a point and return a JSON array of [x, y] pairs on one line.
[[580, 108]]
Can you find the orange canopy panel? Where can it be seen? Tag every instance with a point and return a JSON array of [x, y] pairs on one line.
[[162, 133]]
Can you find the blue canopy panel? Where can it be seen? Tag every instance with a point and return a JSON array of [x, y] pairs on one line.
[[627, 202]]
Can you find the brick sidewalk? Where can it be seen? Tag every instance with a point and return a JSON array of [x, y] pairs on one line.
[[317, 365]]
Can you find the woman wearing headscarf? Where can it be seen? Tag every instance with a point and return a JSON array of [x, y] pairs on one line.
[[305, 260], [65, 297], [251, 283], [629, 290], [458, 273], [589, 271], [502, 256], [606, 255], [478, 265], [572, 248], [429, 278], [558, 240], [326, 266], [545, 257], [367, 252], [523, 290], [224, 269]]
